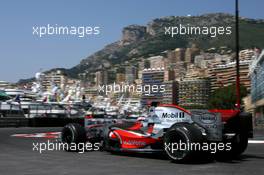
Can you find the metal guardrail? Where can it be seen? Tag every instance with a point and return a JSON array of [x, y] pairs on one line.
[[13, 122], [48, 110], [38, 122], [10, 110]]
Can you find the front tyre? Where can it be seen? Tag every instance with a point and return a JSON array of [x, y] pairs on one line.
[[110, 145], [73, 134]]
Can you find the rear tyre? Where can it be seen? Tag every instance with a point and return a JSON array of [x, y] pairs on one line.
[[243, 128], [238, 145], [73, 134], [185, 134], [240, 142]]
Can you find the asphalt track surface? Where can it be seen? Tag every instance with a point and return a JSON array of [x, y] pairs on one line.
[[17, 157]]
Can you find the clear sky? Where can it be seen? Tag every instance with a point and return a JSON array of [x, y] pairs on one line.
[[23, 54]]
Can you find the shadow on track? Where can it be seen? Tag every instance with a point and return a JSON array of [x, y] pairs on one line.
[[240, 159], [203, 159], [162, 156]]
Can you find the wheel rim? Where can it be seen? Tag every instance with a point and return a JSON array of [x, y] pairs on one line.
[[172, 138]]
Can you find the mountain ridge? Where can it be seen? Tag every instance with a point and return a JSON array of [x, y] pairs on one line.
[[144, 41]]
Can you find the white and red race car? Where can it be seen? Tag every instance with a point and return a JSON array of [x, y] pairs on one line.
[[165, 129]]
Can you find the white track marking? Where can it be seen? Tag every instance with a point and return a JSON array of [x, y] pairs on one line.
[[256, 141], [39, 135]]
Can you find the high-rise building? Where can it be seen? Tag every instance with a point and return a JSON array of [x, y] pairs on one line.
[[176, 55], [180, 70], [171, 56], [131, 74], [170, 96], [152, 78], [120, 77], [246, 54], [257, 88], [101, 77], [203, 60], [58, 78], [190, 53], [195, 72], [179, 54], [169, 75], [143, 64], [157, 62], [225, 74], [222, 71], [194, 92]]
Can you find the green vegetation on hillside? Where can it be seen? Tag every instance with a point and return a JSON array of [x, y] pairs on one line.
[[225, 97]]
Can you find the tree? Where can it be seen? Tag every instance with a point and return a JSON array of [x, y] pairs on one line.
[[225, 97]]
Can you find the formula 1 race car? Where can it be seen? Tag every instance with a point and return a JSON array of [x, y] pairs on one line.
[[164, 128]]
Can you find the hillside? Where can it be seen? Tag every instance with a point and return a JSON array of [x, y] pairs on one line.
[[143, 41]]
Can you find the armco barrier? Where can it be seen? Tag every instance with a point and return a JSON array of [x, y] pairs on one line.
[[53, 122], [38, 122], [13, 122]]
